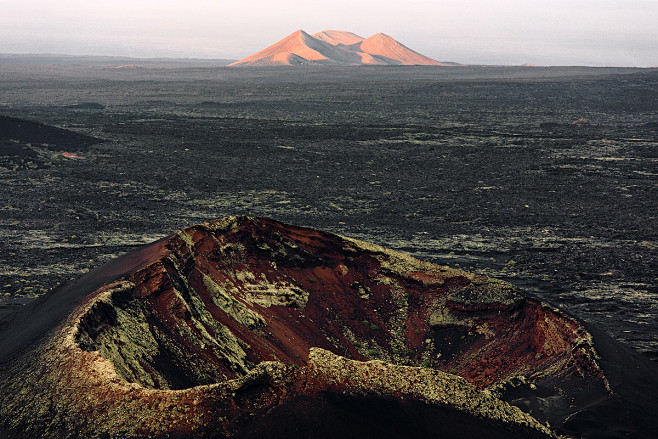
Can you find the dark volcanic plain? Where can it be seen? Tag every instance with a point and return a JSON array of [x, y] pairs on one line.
[[481, 168]]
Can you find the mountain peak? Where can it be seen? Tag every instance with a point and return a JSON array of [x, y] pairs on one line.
[[335, 47], [383, 45], [298, 35], [300, 32]]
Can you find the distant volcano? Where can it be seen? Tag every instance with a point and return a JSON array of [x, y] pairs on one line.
[[332, 47]]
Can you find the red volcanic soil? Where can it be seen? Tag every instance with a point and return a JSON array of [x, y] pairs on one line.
[[332, 47], [246, 327]]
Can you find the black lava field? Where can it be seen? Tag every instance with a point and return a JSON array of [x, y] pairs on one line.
[[545, 177]]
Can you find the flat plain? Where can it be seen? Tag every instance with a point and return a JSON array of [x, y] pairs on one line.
[[542, 176]]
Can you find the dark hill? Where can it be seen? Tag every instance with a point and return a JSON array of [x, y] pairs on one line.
[[25, 131]]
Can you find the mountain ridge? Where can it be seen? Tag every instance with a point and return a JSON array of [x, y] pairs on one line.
[[333, 47], [337, 37]]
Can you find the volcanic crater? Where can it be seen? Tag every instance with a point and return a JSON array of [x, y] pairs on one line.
[[229, 295], [230, 327]]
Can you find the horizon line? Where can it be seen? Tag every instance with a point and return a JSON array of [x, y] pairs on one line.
[[200, 58]]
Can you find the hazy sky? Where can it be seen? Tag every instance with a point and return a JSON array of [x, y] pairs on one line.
[[555, 32]]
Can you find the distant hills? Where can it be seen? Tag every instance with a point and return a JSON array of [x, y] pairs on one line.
[[332, 47]]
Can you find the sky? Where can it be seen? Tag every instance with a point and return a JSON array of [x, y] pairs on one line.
[[509, 32]]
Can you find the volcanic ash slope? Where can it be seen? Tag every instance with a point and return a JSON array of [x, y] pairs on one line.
[[336, 48]]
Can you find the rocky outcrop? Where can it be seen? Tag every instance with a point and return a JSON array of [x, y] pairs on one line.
[[229, 327]]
